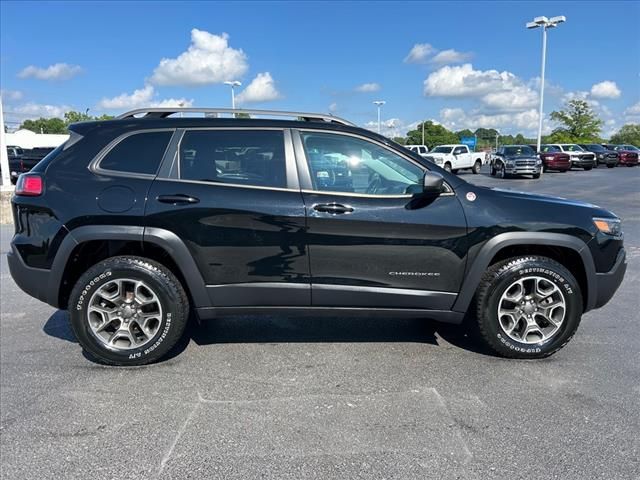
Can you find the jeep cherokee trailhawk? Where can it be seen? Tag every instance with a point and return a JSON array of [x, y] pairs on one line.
[[136, 223]]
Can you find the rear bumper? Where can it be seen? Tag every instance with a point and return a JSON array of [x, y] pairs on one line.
[[33, 281], [607, 283]]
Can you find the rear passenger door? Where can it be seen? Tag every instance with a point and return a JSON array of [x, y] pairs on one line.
[[232, 196]]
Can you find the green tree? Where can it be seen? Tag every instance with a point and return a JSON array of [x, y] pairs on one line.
[[400, 140], [434, 134], [580, 122], [45, 125], [464, 133], [629, 134]]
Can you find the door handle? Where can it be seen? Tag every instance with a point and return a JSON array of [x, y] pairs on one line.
[[332, 208], [177, 199]]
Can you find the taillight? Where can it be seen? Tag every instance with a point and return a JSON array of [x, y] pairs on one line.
[[29, 185]]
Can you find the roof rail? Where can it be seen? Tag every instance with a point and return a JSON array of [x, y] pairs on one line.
[[165, 112]]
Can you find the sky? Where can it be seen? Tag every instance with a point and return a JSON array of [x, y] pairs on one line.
[[461, 64]]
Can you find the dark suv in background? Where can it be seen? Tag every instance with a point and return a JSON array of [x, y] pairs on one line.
[[513, 160], [136, 223], [604, 156]]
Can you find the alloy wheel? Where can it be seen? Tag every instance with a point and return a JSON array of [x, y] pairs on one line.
[[532, 310], [124, 314]]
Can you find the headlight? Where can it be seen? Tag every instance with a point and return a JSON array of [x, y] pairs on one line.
[[610, 226], [601, 156], [510, 164], [538, 162], [549, 157]]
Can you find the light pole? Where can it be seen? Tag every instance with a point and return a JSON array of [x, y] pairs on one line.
[[545, 23], [233, 84], [379, 104], [4, 158], [423, 132]]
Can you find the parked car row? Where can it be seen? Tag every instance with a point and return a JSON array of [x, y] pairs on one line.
[[22, 160], [524, 160]]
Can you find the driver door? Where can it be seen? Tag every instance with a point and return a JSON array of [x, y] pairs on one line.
[[370, 243]]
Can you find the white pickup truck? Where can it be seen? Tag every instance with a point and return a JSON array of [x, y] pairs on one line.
[[456, 157]]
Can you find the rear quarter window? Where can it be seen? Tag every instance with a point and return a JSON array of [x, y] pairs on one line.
[[138, 153]]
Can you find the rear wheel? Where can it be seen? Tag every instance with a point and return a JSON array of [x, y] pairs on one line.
[[476, 167], [128, 311], [528, 307]]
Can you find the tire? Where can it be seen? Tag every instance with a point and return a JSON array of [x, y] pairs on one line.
[[447, 166], [492, 171], [501, 278], [564, 171], [610, 165], [476, 167], [536, 176], [587, 168], [164, 315], [455, 171], [501, 172]]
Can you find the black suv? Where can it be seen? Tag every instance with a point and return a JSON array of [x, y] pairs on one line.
[[516, 160], [137, 222], [603, 155]]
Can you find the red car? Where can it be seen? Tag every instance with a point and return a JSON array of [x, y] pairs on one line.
[[554, 159], [628, 154]]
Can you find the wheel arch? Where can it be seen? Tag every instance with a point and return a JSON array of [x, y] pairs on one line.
[[499, 247], [96, 242]]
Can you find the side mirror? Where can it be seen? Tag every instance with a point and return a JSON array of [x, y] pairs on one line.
[[432, 183]]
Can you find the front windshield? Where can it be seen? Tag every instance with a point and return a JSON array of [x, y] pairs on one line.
[[572, 148], [594, 147], [519, 151], [442, 150], [549, 148]]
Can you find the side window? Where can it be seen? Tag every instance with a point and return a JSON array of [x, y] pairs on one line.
[[459, 150], [137, 153], [422, 150], [245, 157], [340, 163]]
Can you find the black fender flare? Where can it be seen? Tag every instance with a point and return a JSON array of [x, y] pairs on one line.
[[165, 239], [481, 262]]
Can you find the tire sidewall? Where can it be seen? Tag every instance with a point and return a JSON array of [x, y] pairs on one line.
[[171, 323], [554, 273]]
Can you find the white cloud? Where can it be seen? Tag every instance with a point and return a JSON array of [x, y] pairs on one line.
[[58, 71], [33, 110], [498, 91], [368, 87], [393, 127], [208, 60], [261, 89], [449, 56], [633, 109], [10, 95], [419, 53], [333, 107], [506, 122], [518, 98], [632, 113], [464, 81], [606, 89], [143, 97]]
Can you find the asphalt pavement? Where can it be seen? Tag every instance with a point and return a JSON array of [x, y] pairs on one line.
[[332, 398]]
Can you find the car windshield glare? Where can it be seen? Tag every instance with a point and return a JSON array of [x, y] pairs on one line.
[[519, 151], [442, 150]]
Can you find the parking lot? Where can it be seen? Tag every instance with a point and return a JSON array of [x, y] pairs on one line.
[[279, 397]]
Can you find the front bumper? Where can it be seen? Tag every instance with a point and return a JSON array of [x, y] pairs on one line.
[[534, 170], [583, 163], [607, 283]]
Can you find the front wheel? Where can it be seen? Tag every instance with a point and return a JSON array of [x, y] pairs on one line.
[[447, 167], [588, 168], [611, 165], [501, 172], [492, 171], [536, 176], [476, 167], [128, 310], [528, 307]]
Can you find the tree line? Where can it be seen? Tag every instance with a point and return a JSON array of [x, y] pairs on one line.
[[578, 123]]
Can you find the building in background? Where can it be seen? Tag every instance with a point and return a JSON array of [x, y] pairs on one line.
[[27, 139]]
